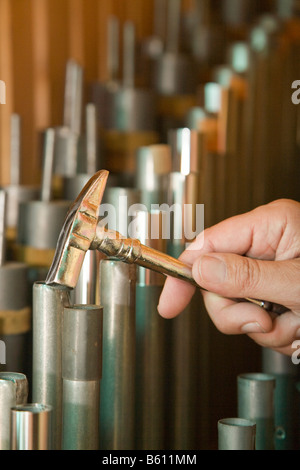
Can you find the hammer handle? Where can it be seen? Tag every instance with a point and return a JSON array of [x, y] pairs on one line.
[[130, 250]]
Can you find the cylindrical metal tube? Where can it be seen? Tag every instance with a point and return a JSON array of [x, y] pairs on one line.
[[256, 402], [13, 391], [119, 204], [185, 146], [153, 164], [285, 397], [7, 401], [48, 305], [117, 403], [15, 315], [151, 341], [236, 434], [81, 372], [34, 227], [31, 427]]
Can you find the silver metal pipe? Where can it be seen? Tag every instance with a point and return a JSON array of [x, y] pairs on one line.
[[113, 59], [81, 372], [120, 204], [151, 341], [48, 306], [16, 192], [13, 391], [3, 198], [236, 434], [173, 26], [48, 165], [15, 150], [87, 288], [128, 54], [285, 397], [15, 311], [185, 146], [183, 191], [256, 402], [91, 139], [117, 402], [153, 165], [34, 227], [73, 96], [31, 427], [7, 401]]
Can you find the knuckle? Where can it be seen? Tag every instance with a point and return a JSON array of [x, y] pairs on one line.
[[247, 275]]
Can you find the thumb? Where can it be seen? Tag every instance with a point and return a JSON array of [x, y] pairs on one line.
[[231, 275]]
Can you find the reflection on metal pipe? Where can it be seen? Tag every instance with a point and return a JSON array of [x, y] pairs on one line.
[[256, 402], [13, 391], [31, 427], [117, 403], [236, 434], [151, 340], [48, 305], [81, 372], [153, 165]]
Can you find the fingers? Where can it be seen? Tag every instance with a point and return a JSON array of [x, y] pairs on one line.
[[175, 297], [234, 318], [276, 332], [232, 276]]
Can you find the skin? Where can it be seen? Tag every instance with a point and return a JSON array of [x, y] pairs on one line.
[[254, 255]]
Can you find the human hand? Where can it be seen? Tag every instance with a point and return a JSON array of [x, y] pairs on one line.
[[253, 255]]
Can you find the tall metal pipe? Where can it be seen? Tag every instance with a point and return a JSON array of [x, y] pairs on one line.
[[151, 340], [183, 345], [256, 402], [16, 191], [286, 397], [15, 311], [31, 427], [13, 391], [48, 305], [153, 165], [81, 372], [117, 402]]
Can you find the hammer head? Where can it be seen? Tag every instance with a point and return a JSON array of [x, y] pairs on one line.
[[78, 233]]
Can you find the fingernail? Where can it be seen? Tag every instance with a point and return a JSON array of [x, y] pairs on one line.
[[297, 334], [253, 327], [212, 270]]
